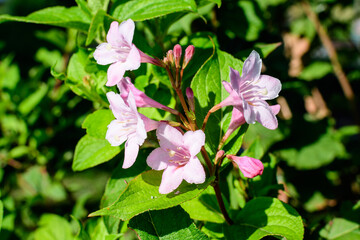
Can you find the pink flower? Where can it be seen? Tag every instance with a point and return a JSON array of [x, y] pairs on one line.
[[177, 155], [142, 100], [250, 167], [120, 52], [129, 126], [237, 119], [249, 92]]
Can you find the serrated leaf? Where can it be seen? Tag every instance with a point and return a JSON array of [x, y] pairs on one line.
[[266, 216], [340, 228], [96, 123], [204, 207], [141, 10], [168, 224], [209, 91], [71, 17], [142, 194], [97, 23], [117, 184], [90, 151]]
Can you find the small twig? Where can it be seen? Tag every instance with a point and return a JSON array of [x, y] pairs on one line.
[[326, 41]]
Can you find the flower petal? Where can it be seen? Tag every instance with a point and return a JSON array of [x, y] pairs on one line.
[[104, 54], [131, 152], [113, 36], [275, 109], [149, 123], [265, 116], [194, 141], [117, 104], [272, 85], [115, 73], [171, 179], [194, 172], [115, 133], [235, 79], [158, 159], [252, 67], [169, 137], [227, 86], [133, 59], [249, 113], [126, 30]]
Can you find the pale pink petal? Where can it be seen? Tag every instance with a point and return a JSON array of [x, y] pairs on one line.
[[115, 133], [104, 54], [158, 159], [252, 67], [149, 123], [131, 102], [113, 36], [171, 179], [250, 167], [194, 172], [227, 86], [265, 116], [275, 109], [115, 73], [126, 30], [237, 119], [194, 141], [133, 59], [249, 113], [234, 79], [169, 137], [272, 85], [131, 152], [232, 100], [117, 104]]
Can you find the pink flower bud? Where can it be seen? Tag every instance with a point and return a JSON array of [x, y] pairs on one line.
[[170, 56], [189, 53], [250, 167], [177, 55], [190, 97]]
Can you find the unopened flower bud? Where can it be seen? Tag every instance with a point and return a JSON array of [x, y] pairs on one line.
[[170, 57], [250, 167], [177, 55], [190, 97], [189, 53]]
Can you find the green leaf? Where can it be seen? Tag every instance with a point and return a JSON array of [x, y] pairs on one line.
[[29, 103], [1, 213], [204, 207], [209, 91], [341, 229], [97, 24], [264, 49], [141, 10], [91, 151], [142, 194], [96, 5], [168, 224], [71, 17], [317, 154], [53, 227], [117, 184], [316, 70], [81, 233], [96, 123], [266, 216], [253, 19]]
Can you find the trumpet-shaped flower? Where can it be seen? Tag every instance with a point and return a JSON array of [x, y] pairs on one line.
[[249, 91], [250, 167], [142, 100], [120, 52], [177, 157], [129, 126]]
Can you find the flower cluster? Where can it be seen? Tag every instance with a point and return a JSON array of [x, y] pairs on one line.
[[180, 142]]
